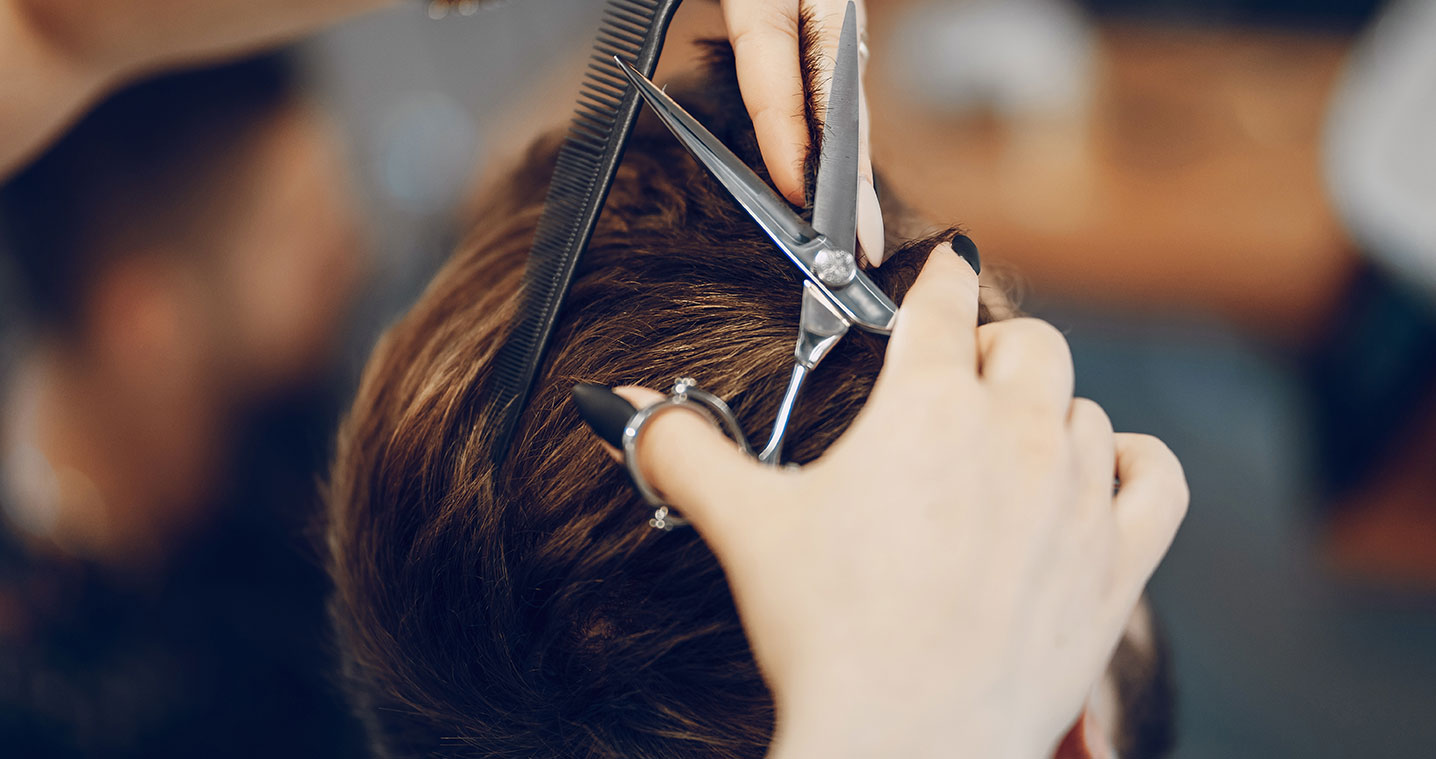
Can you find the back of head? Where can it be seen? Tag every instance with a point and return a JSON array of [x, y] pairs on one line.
[[530, 610]]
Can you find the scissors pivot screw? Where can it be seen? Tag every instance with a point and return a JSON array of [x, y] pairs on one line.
[[835, 267]]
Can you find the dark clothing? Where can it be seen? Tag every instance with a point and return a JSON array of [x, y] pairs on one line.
[[225, 654]]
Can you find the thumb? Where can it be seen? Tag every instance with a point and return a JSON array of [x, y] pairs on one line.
[[694, 466]]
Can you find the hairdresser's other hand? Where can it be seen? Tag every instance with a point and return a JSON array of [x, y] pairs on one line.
[[58, 56], [123, 35], [764, 34], [953, 575]]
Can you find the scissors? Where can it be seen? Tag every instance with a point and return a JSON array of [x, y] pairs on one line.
[[837, 295]]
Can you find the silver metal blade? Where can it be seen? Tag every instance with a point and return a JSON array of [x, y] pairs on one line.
[[819, 329], [860, 302], [772, 213], [835, 199]]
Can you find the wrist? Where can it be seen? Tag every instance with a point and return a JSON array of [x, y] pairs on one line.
[[837, 727], [847, 743], [112, 42]]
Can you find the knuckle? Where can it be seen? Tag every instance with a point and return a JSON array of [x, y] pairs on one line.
[[776, 23], [1163, 463], [786, 16], [1040, 336], [1151, 442], [1147, 448], [830, 29], [1163, 455], [769, 113], [1030, 349], [1089, 418], [1089, 410]]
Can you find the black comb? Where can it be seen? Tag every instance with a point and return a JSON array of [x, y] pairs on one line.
[[607, 106]]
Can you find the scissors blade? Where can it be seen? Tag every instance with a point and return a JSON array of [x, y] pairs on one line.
[[820, 327], [861, 301], [835, 199], [771, 212]]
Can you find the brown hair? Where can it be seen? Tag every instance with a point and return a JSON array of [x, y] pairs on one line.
[[530, 611]]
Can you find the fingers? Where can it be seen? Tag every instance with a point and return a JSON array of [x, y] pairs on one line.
[[872, 236], [937, 324], [1028, 357], [764, 35], [698, 469], [1094, 446], [827, 16], [1150, 504]]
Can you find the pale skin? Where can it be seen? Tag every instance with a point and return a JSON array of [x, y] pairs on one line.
[[57, 57], [952, 576], [764, 34]]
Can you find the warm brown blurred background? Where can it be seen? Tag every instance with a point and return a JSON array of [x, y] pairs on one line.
[[1228, 206]]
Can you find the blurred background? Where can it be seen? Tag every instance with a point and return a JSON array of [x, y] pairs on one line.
[[1229, 206]]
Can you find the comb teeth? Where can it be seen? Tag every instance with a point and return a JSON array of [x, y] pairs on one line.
[[602, 120]]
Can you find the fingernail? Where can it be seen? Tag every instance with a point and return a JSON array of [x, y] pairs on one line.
[[871, 236], [605, 412], [965, 247]]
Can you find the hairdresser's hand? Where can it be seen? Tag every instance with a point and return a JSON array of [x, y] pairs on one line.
[[764, 34], [953, 575], [57, 56], [119, 35]]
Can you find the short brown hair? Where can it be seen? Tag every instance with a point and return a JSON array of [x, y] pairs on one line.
[[530, 611]]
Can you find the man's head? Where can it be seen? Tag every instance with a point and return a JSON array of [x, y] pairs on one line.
[[530, 610], [202, 211], [184, 252]]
